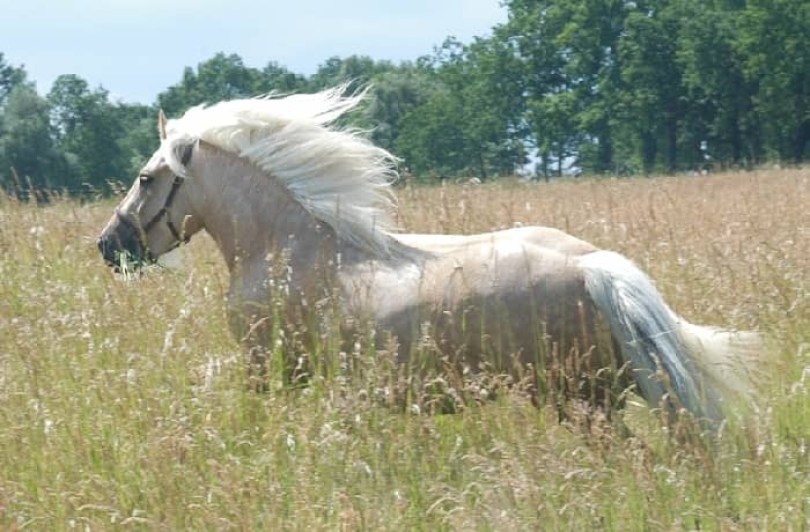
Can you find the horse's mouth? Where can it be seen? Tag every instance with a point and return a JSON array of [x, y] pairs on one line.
[[120, 258], [125, 263]]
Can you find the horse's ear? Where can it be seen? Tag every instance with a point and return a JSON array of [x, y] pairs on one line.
[[162, 124]]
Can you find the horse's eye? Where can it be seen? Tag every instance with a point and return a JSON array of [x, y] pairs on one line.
[[145, 179]]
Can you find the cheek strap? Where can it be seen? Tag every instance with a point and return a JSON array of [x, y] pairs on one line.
[[178, 181]]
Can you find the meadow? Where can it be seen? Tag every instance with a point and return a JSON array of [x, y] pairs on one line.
[[123, 403]]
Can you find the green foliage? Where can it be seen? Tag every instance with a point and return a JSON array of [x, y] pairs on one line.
[[774, 39], [431, 140], [87, 131], [586, 86], [277, 79], [140, 139], [570, 58], [223, 77], [359, 71], [10, 77], [469, 121], [663, 85], [396, 93], [28, 157]]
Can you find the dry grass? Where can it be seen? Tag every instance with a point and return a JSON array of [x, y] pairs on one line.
[[123, 403]]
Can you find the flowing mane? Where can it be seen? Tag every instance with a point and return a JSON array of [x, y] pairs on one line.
[[337, 175]]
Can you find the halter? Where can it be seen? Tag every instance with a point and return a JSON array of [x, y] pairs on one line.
[[164, 211]]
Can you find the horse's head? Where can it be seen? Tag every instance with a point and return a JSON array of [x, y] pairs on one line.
[[156, 215]]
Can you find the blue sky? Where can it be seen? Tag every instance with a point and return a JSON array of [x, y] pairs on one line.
[[137, 48]]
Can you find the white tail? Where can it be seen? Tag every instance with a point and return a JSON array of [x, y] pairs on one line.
[[674, 363]]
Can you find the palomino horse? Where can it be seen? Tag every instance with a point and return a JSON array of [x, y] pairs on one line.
[[272, 181]]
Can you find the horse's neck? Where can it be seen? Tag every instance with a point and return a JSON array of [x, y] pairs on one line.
[[254, 219], [249, 215]]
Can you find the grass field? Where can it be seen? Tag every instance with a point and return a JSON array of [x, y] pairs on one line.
[[123, 403]]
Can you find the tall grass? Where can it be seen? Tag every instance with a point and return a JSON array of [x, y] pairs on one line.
[[125, 403]]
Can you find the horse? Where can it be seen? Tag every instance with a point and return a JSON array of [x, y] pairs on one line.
[[301, 207]]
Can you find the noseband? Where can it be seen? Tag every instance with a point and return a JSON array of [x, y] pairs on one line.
[[163, 212]]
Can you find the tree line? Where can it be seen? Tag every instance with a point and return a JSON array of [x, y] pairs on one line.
[[563, 86]]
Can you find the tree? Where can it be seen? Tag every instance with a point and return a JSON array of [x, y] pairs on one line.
[[550, 104], [590, 40], [394, 94], [431, 140], [722, 124], [774, 38], [27, 153], [223, 77], [494, 107], [570, 47], [553, 120], [140, 136], [10, 77], [652, 95], [357, 70], [470, 120], [87, 130], [278, 79]]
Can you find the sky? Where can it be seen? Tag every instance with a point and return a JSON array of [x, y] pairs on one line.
[[137, 48]]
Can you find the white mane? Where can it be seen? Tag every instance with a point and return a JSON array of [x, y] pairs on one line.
[[338, 176]]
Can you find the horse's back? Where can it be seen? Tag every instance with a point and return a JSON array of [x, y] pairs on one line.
[[547, 238], [526, 274]]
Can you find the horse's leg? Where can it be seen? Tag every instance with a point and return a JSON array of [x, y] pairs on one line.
[[589, 386], [257, 345], [253, 330], [257, 369], [296, 361], [292, 361]]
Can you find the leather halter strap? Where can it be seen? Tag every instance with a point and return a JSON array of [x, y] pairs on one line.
[[141, 231], [178, 181]]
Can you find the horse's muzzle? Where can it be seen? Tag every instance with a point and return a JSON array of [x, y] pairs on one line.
[[109, 252], [121, 247]]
